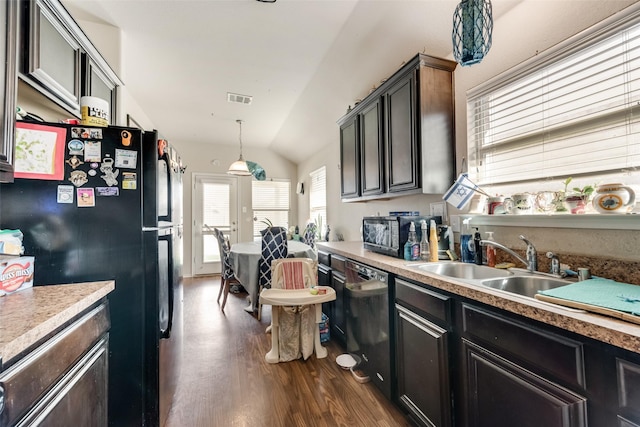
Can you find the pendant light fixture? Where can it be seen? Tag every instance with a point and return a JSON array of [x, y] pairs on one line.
[[472, 28], [239, 167]]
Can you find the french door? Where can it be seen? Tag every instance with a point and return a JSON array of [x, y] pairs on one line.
[[215, 205]]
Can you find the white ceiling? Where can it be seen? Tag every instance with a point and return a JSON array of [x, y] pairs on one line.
[[303, 61]]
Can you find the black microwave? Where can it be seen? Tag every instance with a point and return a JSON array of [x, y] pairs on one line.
[[388, 234]]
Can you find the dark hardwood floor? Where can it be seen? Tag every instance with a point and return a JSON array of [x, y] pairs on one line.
[[225, 381]]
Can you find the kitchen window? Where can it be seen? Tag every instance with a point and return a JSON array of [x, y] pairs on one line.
[[573, 110], [270, 201], [318, 198]]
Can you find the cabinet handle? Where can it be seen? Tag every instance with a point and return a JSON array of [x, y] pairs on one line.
[[1, 399]]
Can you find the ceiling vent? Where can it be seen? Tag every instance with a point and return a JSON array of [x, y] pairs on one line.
[[239, 99]]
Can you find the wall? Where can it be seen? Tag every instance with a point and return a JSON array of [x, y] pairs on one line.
[[198, 159], [520, 33]]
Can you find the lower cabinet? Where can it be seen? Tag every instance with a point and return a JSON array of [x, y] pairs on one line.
[[338, 323], [422, 354], [423, 369], [63, 381], [501, 393]]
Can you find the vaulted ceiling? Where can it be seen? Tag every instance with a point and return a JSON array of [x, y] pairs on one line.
[[303, 61]]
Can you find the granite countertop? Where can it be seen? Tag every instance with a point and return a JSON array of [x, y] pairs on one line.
[[28, 316], [606, 329]]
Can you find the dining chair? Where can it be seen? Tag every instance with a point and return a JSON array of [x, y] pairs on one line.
[[296, 324], [309, 235], [274, 246], [227, 276]]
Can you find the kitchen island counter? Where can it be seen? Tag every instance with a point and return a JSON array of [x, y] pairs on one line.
[[606, 329], [29, 316]]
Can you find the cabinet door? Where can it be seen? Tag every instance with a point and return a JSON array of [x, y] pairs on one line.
[[338, 325], [501, 393], [54, 55], [372, 150], [423, 369], [403, 160], [349, 160], [8, 86], [324, 279], [96, 83]]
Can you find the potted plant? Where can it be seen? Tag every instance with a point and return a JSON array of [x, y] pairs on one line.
[[576, 200]]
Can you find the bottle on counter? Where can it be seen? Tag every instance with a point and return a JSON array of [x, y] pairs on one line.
[[477, 247], [466, 243], [433, 241], [491, 251], [424, 241], [412, 247]]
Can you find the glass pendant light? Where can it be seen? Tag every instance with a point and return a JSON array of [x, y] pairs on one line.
[[472, 28], [239, 167]]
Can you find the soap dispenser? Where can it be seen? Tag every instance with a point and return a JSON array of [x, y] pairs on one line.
[[477, 247], [491, 250]]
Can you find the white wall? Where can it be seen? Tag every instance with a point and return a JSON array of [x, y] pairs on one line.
[[198, 159], [527, 28]]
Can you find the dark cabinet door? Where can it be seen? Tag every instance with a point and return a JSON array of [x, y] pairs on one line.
[[372, 150], [324, 279], [501, 393], [54, 55], [401, 136], [97, 83], [8, 87], [349, 160], [338, 324], [423, 369]]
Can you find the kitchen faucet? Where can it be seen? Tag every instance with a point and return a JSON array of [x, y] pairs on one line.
[[532, 255]]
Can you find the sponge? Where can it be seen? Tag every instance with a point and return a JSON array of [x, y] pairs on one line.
[[505, 265]]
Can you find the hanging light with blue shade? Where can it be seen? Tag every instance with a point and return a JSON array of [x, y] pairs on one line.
[[472, 27]]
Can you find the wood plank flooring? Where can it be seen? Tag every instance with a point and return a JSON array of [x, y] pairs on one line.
[[225, 381]]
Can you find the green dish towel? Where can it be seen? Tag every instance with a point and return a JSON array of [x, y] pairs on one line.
[[605, 293]]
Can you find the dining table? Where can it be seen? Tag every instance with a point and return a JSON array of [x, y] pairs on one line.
[[245, 260]]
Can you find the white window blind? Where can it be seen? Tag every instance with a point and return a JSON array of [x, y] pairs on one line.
[[576, 111], [270, 200], [318, 197]]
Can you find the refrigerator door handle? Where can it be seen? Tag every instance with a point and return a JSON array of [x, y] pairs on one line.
[[165, 332]]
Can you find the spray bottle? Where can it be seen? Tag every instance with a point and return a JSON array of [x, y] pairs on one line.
[[412, 247], [477, 247], [424, 241]]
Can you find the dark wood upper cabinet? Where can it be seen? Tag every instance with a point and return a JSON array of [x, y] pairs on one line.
[[410, 120], [8, 86], [349, 160], [59, 61], [372, 149], [402, 139]]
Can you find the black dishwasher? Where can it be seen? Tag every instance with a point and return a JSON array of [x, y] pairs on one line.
[[366, 295]]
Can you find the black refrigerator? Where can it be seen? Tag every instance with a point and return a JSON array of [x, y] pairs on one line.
[[111, 211]]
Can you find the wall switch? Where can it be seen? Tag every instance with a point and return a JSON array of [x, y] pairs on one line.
[[454, 221], [244, 209]]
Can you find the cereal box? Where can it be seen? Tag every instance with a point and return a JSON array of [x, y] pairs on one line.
[[16, 274]]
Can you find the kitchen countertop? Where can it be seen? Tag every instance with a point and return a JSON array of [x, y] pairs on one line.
[[606, 329], [28, 316]]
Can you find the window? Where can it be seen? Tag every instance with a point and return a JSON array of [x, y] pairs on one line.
[[270, 200], [318, 198], [571, 111]]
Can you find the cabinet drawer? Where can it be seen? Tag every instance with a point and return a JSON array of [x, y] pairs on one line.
[[431, 304], [26, 381], [337, 263], [628, 374], [324, 258], [542, 351]]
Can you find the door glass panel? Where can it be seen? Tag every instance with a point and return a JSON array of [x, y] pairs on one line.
[[215, 213], [57, 56], [99, 88]]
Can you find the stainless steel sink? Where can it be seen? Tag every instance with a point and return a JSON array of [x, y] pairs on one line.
[[524, 285], [461, 270]]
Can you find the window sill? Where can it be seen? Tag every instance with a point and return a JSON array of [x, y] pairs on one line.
[[591, 221]]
